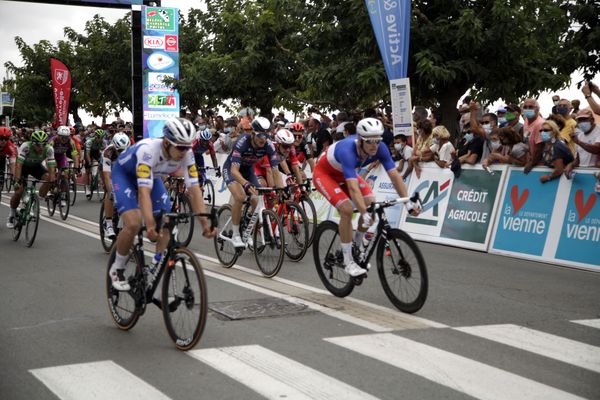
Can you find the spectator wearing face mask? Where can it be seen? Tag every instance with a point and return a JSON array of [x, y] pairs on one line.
[[555, 101], [441, 148], [512, 150], [587, 139], [422, 152], [470, 147], [555, 152], [564, 109], [531, 132], [403, 152]]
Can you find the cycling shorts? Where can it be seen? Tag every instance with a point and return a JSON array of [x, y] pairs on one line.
[[334, 187], [37, 171], [247, 173], [125, 188]]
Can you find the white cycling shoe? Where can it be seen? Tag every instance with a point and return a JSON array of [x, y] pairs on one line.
[[119, 281], [236, 240], [354, 270], [10, 222], [109, 231]]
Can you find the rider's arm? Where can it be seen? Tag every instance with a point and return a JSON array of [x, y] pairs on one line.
[[213, 156], [51, 162]]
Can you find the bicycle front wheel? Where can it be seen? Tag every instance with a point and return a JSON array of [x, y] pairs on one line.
[[64, 200], [295, 225], [309, 209], [73, 188], [184, 299], [185, 227], [209, 194], [402, 271], [329, 260], [123, 306], [226, 252], [33, 220], [51, 205], [18, 226], [106, 242], [268, 243]]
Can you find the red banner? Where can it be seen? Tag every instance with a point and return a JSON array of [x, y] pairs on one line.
[[61, 87]]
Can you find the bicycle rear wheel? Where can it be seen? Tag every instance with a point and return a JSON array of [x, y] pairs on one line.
[[268, 243], [124, 306], [64, 200], [51, 204], [402, 271], [106, 242], [329, 260], [209, 193], [295, 224], [18, 225], [185, 227], [33, 220], [309, 209], [184, 299], [226, 252], [73, 188]]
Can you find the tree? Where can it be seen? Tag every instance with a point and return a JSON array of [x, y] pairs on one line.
[[585, 33]]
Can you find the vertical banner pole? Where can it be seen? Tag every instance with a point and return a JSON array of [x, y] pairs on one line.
[[136, 72]]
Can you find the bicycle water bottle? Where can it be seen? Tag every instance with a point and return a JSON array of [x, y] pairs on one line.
[[368, 235]]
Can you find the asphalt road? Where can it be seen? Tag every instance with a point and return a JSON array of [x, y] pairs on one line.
[[492, 327]]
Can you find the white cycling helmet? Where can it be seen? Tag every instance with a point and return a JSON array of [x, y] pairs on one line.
[[63, 131], [283, 136], [205, 134], [120, 141], [369, 128], [179, 131], [261, 125]]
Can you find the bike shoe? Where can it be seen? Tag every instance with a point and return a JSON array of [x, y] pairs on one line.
[[109, 231], [118, 280], [236, 240], [10, 223], [353, 269]]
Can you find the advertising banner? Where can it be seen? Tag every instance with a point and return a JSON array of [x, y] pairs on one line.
[[7, 100], [525, 213], [391, 25], [401, 107], [160, 61], [61, 89]]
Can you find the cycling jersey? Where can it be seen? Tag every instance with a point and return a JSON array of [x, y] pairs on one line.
[[303, 152], [9, 150], [63, 150], [339, 163], [245, 156], [260, 168], [94, 147], [28, 156], [143, 165], [199, 149]]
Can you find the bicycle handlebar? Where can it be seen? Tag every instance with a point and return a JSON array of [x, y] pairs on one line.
[[415, 198]]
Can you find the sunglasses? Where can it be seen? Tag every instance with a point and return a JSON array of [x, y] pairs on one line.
[[262, 135], [180, 147], [372, 141]]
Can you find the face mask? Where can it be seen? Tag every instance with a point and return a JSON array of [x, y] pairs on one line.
[[529, 114], [399, 147], [468, 137], [585, 126], [555, 102], [227, 130], [502, 121], [546, 136], [201, 127], [435, 141], [510, 117], [562, 110], [487, 128], [495, 144]]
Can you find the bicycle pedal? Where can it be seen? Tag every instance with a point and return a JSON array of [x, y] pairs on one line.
[[358, 280]]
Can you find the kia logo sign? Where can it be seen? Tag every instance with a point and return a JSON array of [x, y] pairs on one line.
[[154, 42]]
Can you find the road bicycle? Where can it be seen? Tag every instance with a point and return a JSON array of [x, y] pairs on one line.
[[208, 187], [295, 223], [183, 300], [59, 195], [95, 183], [107, 242], [301, 196], [400, 264], [180, 203], [6, 179], [28, 215], [72, 176], [262, 233]]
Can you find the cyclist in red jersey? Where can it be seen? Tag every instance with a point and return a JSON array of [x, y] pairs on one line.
[[285, 153], [7, 151]]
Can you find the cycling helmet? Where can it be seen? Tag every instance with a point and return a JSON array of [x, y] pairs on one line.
[[261, 125], [120, 141], [39, 137], [369, 128], [179, 131], [283, 136], [297, 127], [5, 132], [205, 134], [99, 133], [63, 131]]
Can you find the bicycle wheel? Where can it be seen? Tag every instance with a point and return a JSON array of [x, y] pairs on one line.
[[309, 209], [124, 306], [226, 252], [402, 271], [185, 227], [18, 225], [33, 220], [64, 200], [106, 242], [329, 260], [51, 204], [184, 299], [295, 224], [268, 242], [209, 194], [73, 188]]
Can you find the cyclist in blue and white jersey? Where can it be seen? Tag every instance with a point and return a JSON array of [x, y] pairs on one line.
[[238, 169], [335, 176], [140, 192]]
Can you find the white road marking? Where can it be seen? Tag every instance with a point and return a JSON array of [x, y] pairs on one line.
[[593, 323]]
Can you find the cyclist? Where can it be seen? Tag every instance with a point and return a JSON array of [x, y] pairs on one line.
[[336, 178], [7, 151], [303, 149], [119, 143], [94, 146], [139, 190], [285, 153], [32, 154], [238, 169], [200, 147]]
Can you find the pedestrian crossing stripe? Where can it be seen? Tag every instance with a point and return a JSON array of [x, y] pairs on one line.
[[551, 346], [451, 370], [275, 376], [593, 323], [96, 380]]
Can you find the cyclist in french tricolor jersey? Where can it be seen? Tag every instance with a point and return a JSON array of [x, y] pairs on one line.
[[336, 178]]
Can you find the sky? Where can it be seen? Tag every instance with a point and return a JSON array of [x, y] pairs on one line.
[[37, 21]]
